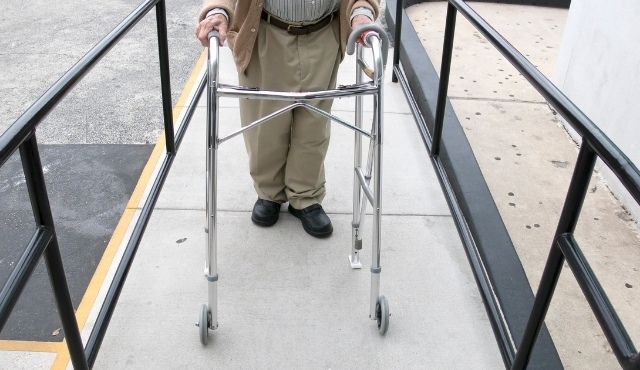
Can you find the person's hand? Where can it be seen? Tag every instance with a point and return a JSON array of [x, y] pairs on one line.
[[359, 20], [216, 22]]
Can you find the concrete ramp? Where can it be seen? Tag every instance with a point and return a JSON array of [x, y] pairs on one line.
[[286, 299]]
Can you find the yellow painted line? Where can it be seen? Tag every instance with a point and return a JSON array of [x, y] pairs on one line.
[[27, 346], [91, 294]]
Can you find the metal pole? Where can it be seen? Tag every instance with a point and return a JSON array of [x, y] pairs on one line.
[[165, 79], [396, 39], [445, 69], [211, 265], [42, 213], [378, 100], [356, 238], [567, 224]]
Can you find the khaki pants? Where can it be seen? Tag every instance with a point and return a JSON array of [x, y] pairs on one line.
[[286, 154]]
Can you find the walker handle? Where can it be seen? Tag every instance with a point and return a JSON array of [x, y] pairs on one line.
[[213, 57], [213, 34], [357, 32]]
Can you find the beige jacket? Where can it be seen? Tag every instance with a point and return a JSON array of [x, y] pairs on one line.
[[244, 18]]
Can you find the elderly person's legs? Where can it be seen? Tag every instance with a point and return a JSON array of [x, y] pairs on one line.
[[287, 155]]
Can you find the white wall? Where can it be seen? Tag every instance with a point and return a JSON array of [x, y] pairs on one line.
[[598, 68]]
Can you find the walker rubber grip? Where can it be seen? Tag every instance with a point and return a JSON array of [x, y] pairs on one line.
[[355, 34]]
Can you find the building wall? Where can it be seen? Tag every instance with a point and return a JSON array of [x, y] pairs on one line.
[[598, 68]]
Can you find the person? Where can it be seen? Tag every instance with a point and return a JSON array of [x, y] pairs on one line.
[[286, 45]]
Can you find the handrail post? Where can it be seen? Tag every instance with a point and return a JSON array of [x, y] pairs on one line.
[[445, 71], [165, 79], [42, 213], [567, 224], [396, 39]]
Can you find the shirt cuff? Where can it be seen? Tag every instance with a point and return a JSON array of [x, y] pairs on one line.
[[218, 11], [361, 11]]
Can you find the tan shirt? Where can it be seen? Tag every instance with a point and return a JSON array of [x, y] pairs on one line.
[[244, 18]]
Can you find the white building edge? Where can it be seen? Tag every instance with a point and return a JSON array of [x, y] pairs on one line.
[[598, 68]]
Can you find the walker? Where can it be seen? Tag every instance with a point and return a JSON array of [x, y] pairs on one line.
[[379, 43]]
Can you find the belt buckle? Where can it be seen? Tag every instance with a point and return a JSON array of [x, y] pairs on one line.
[[293, 26]]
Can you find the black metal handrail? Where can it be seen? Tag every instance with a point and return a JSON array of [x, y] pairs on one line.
[[595, 144], [21, 136]]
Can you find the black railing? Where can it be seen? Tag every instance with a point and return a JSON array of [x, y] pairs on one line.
[[595, 144], [21, 136]]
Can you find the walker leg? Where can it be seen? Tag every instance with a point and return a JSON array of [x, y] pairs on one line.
[[379, 307], [375, 255], [359, 204], [358, 201], [211, 263], [356, 238], [208, 318]]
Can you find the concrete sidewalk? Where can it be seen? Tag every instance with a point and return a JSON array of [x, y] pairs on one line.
[[286, 299]]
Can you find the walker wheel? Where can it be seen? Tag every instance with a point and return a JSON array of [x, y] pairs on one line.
[[382, 315], [203, 324]]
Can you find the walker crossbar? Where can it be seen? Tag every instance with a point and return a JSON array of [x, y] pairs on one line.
[[364, 191], [288, 108], [340, 92]]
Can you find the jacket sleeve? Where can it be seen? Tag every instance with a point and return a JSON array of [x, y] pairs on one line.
[[373, 5], [228, 6]]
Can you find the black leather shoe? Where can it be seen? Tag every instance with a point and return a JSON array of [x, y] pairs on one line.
[[265, 212], [314, 220]]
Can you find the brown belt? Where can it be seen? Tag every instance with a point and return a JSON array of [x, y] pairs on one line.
[[295, 29]]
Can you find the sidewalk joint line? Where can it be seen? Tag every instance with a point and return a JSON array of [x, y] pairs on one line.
[[493, 99]]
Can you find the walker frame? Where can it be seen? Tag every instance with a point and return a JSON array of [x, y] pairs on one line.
[[379, 44]]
